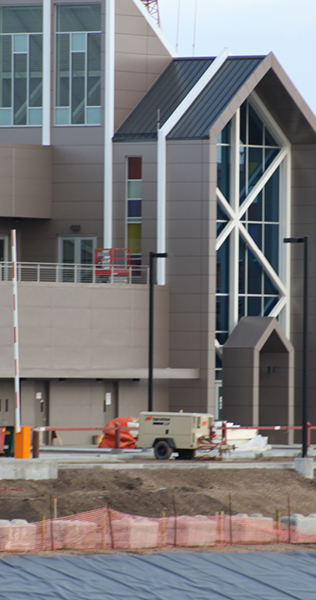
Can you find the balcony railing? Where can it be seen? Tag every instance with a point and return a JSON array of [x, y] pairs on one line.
[[72, 273]]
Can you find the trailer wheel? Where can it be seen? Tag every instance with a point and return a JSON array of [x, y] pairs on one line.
[[162, 450]]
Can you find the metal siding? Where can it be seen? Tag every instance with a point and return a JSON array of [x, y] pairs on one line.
[[206, 109], [165, 95]]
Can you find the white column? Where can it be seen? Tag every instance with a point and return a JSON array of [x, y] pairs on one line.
[[108, 119], [234, 236], [161, 207], [15, 332], [46, 110]]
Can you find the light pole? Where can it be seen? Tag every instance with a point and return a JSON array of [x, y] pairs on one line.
[[303, 240], [152, 256]]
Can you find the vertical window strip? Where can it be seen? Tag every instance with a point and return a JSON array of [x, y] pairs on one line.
[[257, 294], [75, 33], [134, 208]]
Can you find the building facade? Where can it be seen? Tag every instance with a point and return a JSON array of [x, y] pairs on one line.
[[108, 140]]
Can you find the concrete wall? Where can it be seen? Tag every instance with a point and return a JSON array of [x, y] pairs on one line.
[[82, 329], [191, 271], [303, 223], [240, 384], [274, 394], [133, 397], [140, 58], [26, 181]]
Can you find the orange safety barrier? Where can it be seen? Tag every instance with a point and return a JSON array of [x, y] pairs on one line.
[[105, 529]]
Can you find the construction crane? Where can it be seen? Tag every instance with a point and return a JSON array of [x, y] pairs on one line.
[[153, 9]]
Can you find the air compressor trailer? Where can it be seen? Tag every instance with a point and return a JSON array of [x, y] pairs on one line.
[[169, 432]]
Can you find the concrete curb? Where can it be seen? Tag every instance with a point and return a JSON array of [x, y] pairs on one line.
[[24, 468]]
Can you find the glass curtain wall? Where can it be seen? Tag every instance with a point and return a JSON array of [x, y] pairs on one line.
[[248, 206], [78, 65], [21, 48]]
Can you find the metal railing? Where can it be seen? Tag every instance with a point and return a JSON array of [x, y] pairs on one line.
[[71, 273]]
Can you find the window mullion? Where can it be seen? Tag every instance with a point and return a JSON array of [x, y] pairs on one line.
[[262, 181], [262, 260], [234, 236]]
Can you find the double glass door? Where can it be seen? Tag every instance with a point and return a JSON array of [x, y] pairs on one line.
[[76, 254]]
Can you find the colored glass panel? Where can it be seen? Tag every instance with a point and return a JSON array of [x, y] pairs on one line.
[[134, 189], [134, 167], [134, 209], [135, 237]]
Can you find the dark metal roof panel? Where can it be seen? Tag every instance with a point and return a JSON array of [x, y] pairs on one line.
[[215, 97], [165, 95]]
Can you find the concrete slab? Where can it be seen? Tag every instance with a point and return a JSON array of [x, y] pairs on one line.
[[33, 468], [304, 467], [172, 464]]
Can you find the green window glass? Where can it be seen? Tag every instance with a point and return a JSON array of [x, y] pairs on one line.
[[21, 48], [78, 65]]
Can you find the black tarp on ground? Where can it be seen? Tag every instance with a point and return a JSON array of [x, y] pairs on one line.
[[167, 576]]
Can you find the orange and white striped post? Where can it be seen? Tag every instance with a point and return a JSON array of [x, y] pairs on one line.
[[15, 333]]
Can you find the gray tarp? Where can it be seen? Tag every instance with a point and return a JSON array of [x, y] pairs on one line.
[[167, 576]]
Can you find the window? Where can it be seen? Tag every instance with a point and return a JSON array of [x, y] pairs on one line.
[[78, 65], [134, 208], [21, 65], [252, 160]]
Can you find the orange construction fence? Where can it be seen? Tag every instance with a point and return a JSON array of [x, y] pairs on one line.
[[106, 529]]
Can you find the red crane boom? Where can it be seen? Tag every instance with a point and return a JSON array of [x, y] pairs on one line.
[[153, 9]]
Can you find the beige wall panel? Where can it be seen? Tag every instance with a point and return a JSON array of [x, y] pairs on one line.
[[130, 81], [66, 327], [126, 23], [137, 50], [133, 397], [26, 175]]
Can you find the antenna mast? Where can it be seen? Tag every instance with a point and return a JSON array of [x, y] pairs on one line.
[[153, 9]]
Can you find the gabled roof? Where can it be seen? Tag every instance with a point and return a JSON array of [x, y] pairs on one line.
[[209, 105], [165, 95], [255, 333], [172, 87], [219, 100]]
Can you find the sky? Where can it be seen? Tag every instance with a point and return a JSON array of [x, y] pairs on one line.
[[248, 27]]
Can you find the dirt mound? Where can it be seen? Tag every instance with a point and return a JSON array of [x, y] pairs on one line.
[[154, 492]]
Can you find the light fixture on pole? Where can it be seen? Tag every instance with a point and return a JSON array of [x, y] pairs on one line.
[[303, 240], [152, 256]]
